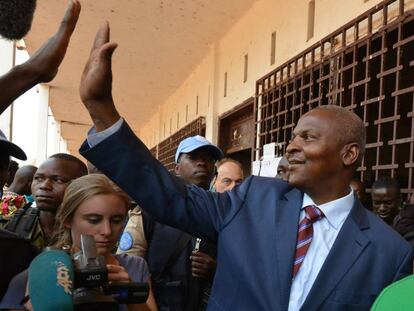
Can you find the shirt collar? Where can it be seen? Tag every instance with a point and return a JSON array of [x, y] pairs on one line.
[[335, 211]]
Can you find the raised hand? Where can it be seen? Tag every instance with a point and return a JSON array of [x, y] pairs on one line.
[[47, 59], [43, 65], [96, 82]]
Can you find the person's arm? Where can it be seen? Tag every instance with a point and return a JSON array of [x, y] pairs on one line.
[[406, 265], [96, 82], [133, 239], [127, 161], [43, 64]]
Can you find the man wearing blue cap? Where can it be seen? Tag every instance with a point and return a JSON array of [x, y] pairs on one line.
[[171, 253]]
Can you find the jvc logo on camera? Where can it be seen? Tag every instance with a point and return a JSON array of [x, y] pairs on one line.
[[93, 277]]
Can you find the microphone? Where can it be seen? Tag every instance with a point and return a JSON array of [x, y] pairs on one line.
[[51, 278]]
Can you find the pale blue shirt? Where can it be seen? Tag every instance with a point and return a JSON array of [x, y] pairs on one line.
[[95, 138], [325, 232]]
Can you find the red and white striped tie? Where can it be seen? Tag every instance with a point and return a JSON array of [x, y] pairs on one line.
[[305, 235]]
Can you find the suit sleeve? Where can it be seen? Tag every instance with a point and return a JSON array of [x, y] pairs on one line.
[[406, 266], [127, 161]]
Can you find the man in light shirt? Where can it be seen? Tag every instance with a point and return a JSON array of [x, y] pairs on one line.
[[352, 256]]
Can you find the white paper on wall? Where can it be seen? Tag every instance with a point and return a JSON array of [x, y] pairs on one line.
[[256, 168], [269, 167], [269, 151]]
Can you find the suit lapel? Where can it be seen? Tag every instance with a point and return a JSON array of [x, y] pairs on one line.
[[348, 246], [286, 226]]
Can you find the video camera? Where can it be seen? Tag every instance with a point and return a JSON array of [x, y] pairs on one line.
[[92, 290]]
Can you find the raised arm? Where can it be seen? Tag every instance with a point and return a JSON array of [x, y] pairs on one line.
[[125, 159], [96, 82], [43, 64]]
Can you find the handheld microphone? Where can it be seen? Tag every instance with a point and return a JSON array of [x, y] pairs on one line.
[[51, 276]]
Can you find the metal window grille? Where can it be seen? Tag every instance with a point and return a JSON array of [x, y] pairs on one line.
[[166, 148], [366, 66]]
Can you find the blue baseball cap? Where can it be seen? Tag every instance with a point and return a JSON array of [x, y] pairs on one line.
[[195, 142]]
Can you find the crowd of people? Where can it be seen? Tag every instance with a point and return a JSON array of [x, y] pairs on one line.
[[203, 237]]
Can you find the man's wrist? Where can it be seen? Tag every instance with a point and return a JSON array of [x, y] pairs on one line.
[[103, 114]]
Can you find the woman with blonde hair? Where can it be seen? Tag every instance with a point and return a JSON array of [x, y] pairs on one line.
[[95, 206]]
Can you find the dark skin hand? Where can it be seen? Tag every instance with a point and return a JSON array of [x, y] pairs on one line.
[[96, 82], [43, 65], [202, 265]]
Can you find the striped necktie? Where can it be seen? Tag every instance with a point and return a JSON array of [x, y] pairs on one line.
[[305, 235]]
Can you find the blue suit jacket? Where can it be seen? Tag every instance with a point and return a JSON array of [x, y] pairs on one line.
[[255, 228]]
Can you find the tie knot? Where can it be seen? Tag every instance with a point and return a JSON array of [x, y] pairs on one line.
[[313, 213]]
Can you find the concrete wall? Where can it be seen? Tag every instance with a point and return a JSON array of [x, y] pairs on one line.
[[251, 35]]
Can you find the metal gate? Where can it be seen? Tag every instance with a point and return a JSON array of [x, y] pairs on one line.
[[366, 66]]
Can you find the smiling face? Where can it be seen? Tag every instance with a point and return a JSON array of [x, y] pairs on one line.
[[101, 216], [320, 164], [385, 203], [196, 167]]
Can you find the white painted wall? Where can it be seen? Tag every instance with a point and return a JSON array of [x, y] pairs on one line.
[[251, 35]]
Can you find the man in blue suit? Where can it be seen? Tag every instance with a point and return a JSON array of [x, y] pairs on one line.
[[341, 259]]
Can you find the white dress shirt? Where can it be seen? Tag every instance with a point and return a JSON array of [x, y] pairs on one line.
[[325, 232]]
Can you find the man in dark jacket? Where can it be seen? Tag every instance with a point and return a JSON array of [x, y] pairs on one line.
[[182, 266]]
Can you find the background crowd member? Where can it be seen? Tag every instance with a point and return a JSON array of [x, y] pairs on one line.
[[283, 169], [13, 167], [10, 246], [386, 198], [359, 188], [95, 206], [404, 221], [229, 173], [22, 182], [169, 251], [19, 193], [48, 187], [259, 251], [7, 149]]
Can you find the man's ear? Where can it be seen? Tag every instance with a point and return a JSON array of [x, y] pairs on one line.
[[177, 169], [214, 180], [350, 154]]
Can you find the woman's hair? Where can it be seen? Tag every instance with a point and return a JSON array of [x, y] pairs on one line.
[[80, 190]]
